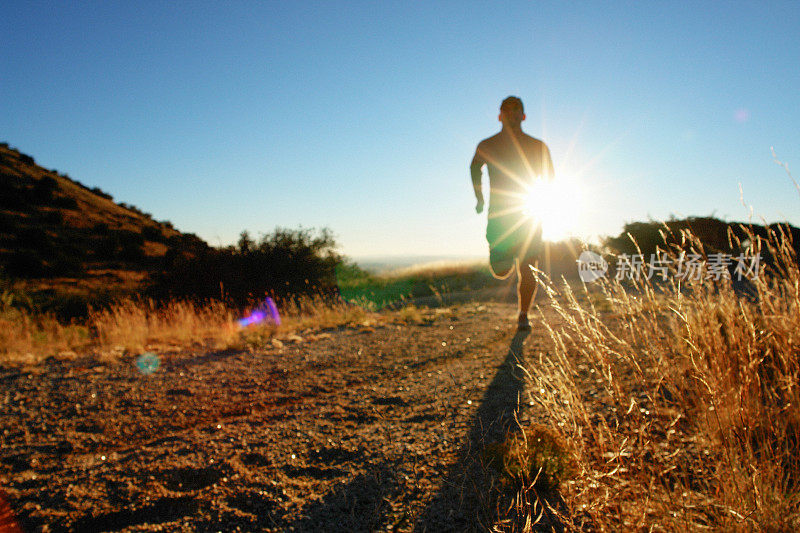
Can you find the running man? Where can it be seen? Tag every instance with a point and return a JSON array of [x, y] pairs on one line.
[[514, 161]]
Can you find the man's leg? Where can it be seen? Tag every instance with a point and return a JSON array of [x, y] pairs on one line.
[[526, 288]]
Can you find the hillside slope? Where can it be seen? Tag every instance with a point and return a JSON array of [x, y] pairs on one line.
[[52, 226]]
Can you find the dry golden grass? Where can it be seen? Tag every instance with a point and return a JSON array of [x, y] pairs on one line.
[[679, 403], [23, 337], [136, 325]]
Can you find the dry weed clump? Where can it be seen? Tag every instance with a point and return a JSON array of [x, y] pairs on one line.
[[679, 399], [534, 457]]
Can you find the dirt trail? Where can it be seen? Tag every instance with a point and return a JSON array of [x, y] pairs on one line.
[[366, 429]]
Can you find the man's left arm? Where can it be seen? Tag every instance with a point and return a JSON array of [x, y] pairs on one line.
[[476, 172]]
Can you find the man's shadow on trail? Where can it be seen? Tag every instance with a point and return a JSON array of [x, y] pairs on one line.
[[360, 504], [469, 498]]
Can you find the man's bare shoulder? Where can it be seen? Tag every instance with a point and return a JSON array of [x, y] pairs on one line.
[[532, 140], [489, 142]]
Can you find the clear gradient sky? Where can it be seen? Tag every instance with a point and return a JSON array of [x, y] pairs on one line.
[[363, 116]]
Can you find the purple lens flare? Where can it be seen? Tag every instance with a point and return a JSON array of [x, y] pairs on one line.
[[266, 311]]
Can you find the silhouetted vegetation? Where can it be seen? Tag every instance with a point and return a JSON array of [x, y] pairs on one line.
[[716, 236], [64, 202], [16, 194], [52, 217], [153, 233], [43, 189], [101, 193], [285, 263]]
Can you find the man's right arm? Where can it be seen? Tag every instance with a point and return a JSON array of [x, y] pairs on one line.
[[475, 170]]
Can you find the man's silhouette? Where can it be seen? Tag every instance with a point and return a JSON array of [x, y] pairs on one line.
[[514, 160]]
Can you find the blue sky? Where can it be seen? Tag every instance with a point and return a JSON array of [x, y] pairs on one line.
[[363, 116]]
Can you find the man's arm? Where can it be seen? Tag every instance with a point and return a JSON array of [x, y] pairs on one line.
[[476, 173]]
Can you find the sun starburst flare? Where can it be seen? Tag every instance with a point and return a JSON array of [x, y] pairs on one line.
[[556, 204]]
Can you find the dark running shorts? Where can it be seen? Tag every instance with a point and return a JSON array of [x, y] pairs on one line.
[[512, 236]]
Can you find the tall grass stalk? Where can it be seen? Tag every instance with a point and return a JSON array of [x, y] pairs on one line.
[[679, 401]]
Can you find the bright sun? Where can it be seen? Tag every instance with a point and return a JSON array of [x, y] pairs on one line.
[[556, 204]]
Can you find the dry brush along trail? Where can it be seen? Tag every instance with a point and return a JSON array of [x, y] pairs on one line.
[[356, 429]]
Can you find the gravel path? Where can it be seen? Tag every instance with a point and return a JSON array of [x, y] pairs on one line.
[[361, 429]]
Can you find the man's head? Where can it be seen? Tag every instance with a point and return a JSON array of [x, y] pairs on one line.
[[512, 113]]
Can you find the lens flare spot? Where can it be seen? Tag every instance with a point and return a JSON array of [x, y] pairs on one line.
[[266, 311], [741, 115], [147, 363]]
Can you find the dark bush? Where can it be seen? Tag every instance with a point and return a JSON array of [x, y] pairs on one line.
[[106, 247], [53, 217], [170, 259], [716, 235], [26, 263], [33, 238], [43, 189], [284, 264], [131, 252], [119, 244], [64, 264], [188, 242], [101, 193], [100, 228], [13, 196], [153, 233], [131, 207], [28, 160], [129, 238], [64, 202]]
